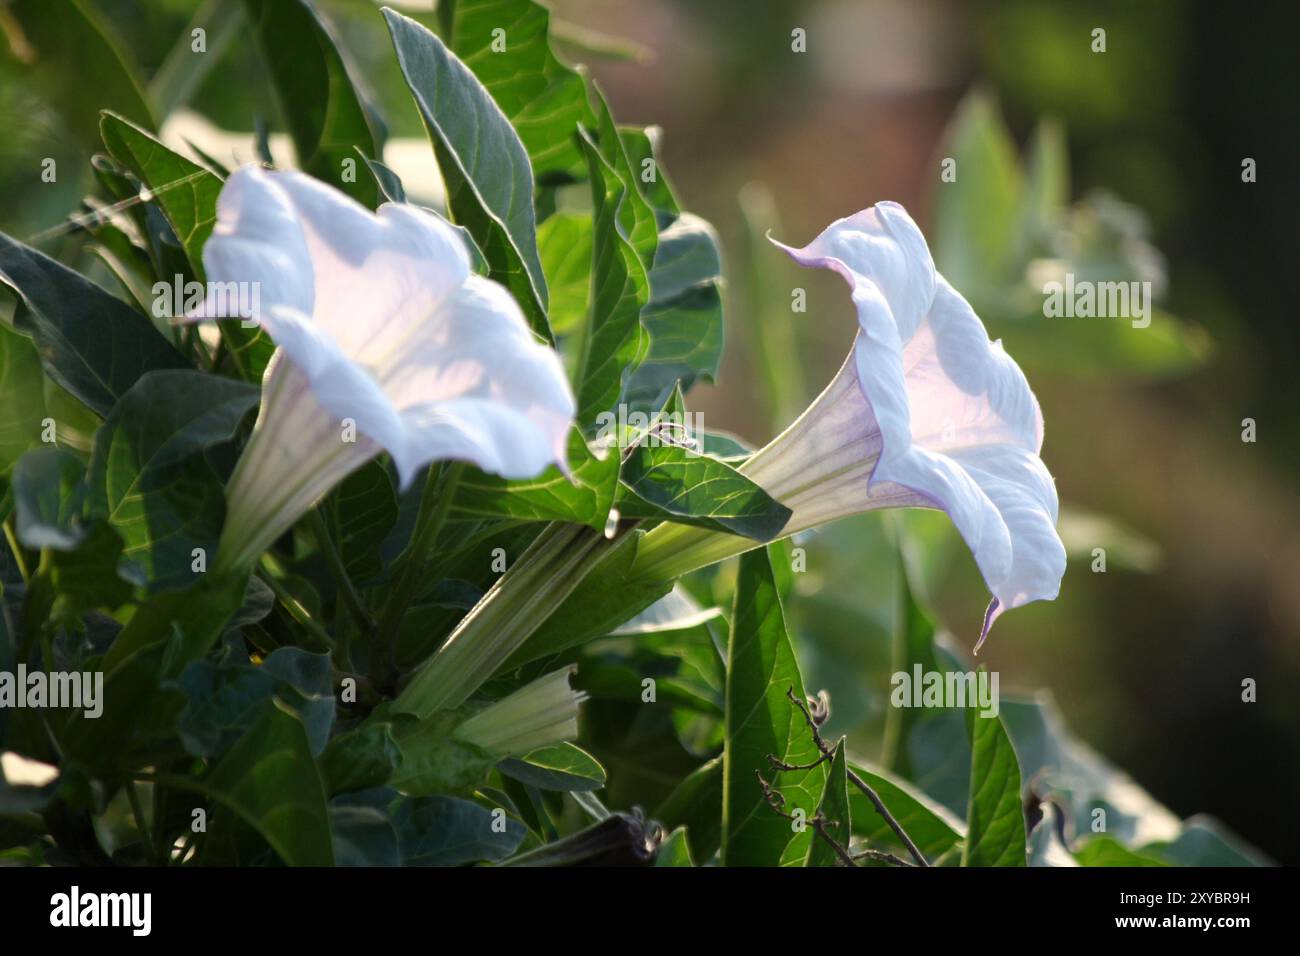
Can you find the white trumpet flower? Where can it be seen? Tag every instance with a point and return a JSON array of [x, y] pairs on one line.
[[386, 342], [925, 412]]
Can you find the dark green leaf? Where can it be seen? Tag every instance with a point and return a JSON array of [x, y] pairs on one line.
[[362, 836], [326, 115], [434, 761], [186, 194], [91, 343], [185, 191], [360, 759], [270, 779], [669, 481], [82, 67], [484, 165], [22, 397], [544, 99], [366, 506], [448, 831], [149, 478]]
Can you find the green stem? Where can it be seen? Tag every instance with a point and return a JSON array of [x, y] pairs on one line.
[[17, 549], [296, 611], [671, 550], [435, 505], [513, 608]]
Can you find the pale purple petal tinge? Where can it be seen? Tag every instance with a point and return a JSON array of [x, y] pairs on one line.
[[926, 412]]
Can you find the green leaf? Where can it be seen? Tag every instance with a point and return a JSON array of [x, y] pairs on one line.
[[543, 99], [1098, 349], [684, 317], [671, 482], [636, 219], [49, 489], [561, 766], [1204, 841], [484, 165], [612, 341], [1047, 186], [82, 66], [366, 508], [675, 850], [1106, 851], [91, 343], [270, 779], [362, 836], [448, 831], [995, 821], [932, 827], [761, 721], [912, 645], [975, 216], [50, 499], [435, 762], [360, 759], [149, 479], [836, 810], [641, 146], [222, 702], [185, 191], [326, 116], [586, 499], [564, 242], [22, 397], [198, 615], [186, 194], [696, 804]]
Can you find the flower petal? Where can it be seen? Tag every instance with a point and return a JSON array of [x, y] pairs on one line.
[[958, 422], [964, 390], [479, 387], [880, 246], [376, 275], [257, 240]]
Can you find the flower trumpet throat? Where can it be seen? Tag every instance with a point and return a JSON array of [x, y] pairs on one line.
[[925, 412]]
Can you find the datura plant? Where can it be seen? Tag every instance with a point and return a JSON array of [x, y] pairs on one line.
[[359, 513]]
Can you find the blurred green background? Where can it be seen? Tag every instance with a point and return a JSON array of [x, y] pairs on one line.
[[1126, 164]]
